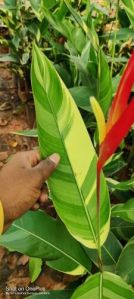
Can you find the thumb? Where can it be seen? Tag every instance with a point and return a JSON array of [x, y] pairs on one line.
[[46, 167]]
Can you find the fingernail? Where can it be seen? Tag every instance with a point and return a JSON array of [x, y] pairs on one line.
[[55, 158]]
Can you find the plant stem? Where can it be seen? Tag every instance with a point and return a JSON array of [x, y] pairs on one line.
[[98, 221], [101, 286]]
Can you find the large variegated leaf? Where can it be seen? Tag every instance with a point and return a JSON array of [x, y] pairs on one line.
[[38, 235], [61, 129], [104, 286]]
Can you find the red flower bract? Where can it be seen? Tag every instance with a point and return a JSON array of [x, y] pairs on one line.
[[121, 116]]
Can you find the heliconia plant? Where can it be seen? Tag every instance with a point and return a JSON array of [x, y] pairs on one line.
[[78, 189]]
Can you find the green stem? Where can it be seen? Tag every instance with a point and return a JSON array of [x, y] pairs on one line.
[[98, 222], [101, 286]]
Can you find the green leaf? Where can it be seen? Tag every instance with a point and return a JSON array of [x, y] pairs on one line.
[[121, 34], [61, 129], [124, 210], [126, 185], [35, 4], [61, 11], [34, 268], [129, 8], [125, 265], [104, 94], [64, 74], [83, 72], [8, 57], [111, 250], [38, 235], [104, 286], [63, 294], [89, 31], [50, 3], [27, 133], [115, 164], [81, 96], [64, 27], [122, 229], [11, 4]]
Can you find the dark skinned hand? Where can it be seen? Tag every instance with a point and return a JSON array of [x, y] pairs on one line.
[[21, 181]]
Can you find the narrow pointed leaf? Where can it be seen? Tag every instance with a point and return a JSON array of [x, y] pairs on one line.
[[124, 210], [104, 286], [38, 235], [126, 185], [27, 133], [104, 86], [125, 265], [61, 129], [99, 118]]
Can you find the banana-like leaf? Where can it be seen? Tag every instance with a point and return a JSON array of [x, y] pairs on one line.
[[38, 235], [125, 265], [104, 286], [124, 210], [61, 129]]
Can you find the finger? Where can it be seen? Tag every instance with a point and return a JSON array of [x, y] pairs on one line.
[[43, 197], [33, 157], [35, 206], [45, 168]]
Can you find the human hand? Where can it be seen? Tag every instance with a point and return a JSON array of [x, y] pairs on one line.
[[21, 181]]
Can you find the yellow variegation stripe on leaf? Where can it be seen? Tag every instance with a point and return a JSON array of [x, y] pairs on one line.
[[64, 132], [99, 118], [77, 270], [1, 218]]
